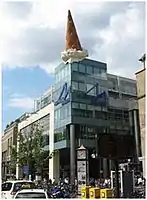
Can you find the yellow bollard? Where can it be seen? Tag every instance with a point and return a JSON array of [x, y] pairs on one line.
[[106, 193], [85, 192], [94, 193]]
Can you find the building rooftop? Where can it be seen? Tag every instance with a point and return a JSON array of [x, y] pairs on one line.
[[141, 70], [18, 120]]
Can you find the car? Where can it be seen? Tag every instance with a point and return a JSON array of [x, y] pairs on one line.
[[31, 194], [10, 188]]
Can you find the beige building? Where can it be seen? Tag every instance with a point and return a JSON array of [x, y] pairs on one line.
[[9, 139], [141, 93]]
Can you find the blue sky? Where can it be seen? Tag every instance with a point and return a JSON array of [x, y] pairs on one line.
[[20, 87], [33, 34]]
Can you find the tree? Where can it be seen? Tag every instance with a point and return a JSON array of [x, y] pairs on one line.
[[29, 151], [13, 160]]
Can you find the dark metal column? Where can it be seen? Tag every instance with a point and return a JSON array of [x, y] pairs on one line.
[[117, 179], [137, 133], [72, 154], [111, 164], [135, 126], [105, 167]]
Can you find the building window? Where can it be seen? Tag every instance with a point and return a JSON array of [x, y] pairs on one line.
[[45, 123], [82, 106], [62, 116], [88, 114], [128, 87], [90, 107], [75, 105], [83, 113], [91, 92], [87, 132], [96, 71], [60, 135], [38, 104], [82, 87], [74, 85], [103, 73], [90, 129], [82, 68], [75, 67], [89, 69], [101, 115]]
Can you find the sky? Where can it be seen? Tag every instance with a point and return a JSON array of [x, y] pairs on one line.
[[32, 38]]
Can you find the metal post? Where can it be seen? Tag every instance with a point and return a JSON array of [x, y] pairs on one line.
[[137, 133], [110, 165], [72, 154], [105, 168], [117, 179]]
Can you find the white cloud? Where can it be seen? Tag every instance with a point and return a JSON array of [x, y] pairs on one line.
[[123, 41], [17, 101], [33, 33]]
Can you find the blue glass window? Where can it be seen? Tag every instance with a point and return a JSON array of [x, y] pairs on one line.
[[89, 69], [82, 87], [82, 68]]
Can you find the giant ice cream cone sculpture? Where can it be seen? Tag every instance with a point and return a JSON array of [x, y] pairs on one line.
[[73, 50]]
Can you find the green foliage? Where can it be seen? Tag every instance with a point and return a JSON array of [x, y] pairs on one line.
[[37, 145], [13, 161], [51, 155], [30, 151]]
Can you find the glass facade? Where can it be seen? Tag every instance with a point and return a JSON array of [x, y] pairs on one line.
[[90, 67], [90, 86], [88, 80], [128, 87], [45, 100], [62, 99], [60, 134], [43, 124]]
